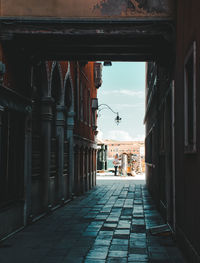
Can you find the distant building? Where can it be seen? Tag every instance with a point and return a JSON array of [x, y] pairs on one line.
[[135, 148], [101, 155], [123, 147], [142, 159]]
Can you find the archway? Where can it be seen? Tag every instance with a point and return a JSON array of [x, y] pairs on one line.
[[40, 89], [69, 134], [56, 134]]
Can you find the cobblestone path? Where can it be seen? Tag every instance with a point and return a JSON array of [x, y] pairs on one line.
[[109, 224]]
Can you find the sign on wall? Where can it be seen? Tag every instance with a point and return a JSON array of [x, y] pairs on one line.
[[87, 8]]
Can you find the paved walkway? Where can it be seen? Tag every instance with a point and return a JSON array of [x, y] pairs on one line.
[[109, 224]]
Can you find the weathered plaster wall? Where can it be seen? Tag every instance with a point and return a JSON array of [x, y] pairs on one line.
[[187, 165], [87, 8]]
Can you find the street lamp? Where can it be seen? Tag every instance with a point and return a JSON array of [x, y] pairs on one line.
[[95, 107], [107, 63], [105, 106], [118, 119]]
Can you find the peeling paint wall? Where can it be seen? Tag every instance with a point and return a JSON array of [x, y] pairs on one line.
[[87, 8]]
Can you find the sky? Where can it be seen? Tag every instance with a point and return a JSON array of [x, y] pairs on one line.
[[123, 89]]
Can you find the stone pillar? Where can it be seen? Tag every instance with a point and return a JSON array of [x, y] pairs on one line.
[[1, 113], [83, 170], [95, 167], [77, 163], [70, 137], [60, 134], [27, 165], [106, 157], [90, 169], [86, 171], [46, 119], [1, 139]]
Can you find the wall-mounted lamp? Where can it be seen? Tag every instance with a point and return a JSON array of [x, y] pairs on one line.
[[95, 104], [105, 106], [107, 63], [118, 119]]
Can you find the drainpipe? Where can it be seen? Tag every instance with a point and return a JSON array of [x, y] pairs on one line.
[[70, 137]]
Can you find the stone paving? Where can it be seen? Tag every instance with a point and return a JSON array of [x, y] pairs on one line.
[[109, 224]]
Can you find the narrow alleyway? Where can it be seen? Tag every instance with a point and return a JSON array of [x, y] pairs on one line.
[[108, 224]]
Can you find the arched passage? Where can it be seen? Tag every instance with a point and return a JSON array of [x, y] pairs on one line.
[[39, 182], [56, 136], [69, 131]]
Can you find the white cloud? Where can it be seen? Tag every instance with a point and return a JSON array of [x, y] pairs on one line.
[[133, 105], [132, 93], [100, 135], [139, 137], [119, 135]]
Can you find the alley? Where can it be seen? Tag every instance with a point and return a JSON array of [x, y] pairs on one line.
[[108, 224]]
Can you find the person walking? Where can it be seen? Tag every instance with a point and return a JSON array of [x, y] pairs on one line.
[[116, 163]]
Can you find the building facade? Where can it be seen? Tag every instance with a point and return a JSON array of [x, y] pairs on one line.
[[131, 148], [45, 125], [123, 147], [102, 161], [47, 136], [172, 131]]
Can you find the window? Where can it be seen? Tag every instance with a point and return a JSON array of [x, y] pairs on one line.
[[190, 100], [148, 148]]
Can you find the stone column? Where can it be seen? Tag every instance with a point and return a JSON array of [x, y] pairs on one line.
[[95, 166], [83, 170], [90, 169], [46, 119], [70, 137], [86, 171], [1, 113], [60, 128], [27, 165], [77, 163]]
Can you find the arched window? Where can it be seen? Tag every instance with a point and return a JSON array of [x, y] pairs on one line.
[[68, 100], [56, 91], [68, 94], [56, 86]]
